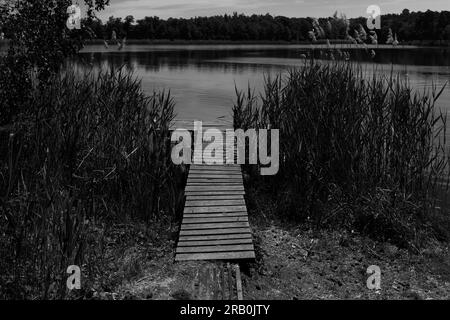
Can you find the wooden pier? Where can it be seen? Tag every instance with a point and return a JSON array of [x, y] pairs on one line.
[[215, 221]]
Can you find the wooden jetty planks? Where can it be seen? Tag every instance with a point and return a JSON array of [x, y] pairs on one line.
[[217, 197], [217, 242], [215, 221], [244, 255], [184, 238], [215, 202], [208, 188], [208, 219], [215, 215], [215, 192]]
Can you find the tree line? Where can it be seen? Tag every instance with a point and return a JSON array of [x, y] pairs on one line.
[[407, 26]]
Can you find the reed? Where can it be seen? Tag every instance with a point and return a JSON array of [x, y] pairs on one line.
[[90, 150], [357, 151]]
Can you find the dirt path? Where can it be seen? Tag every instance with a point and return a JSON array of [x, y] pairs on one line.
[[291, 264], [332, 265]]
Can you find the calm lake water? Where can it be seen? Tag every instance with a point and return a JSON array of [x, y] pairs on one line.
[[202, 79]]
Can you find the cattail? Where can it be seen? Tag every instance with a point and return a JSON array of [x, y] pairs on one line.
[[312, 36], [395, 42], [373, 37], [362, 33], [390, 38]]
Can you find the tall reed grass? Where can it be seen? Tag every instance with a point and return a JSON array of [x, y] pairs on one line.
[[90, 150], [357, 151]]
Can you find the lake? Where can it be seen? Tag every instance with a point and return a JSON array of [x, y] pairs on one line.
[[202, 78]]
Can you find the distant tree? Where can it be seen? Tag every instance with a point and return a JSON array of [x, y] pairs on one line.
[[39, 41], [129, 20], [114, 25], [408, 25], [38, 31]]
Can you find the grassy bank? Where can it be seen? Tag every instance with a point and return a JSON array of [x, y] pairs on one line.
[[355, 153], [85, 175]]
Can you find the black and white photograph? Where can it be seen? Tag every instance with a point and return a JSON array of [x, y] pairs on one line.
[[220, 156]]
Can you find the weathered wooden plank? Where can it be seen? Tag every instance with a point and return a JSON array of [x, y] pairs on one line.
[[215, 197], [216, 172], [208, 160], [214, 192], [226, 145], [210, 153], [213, 173], [239, 283], [223, 156], [206, 219], [215, 215], [214, 181], [212, 176], [232, 167], [206, 232], [213, 161], [224, 248], [216, 188], [238, 236], [201, 168], [215, 209], [237, 176], [213, 184], [190, 127], [190, 124], [222, 167], [214, 242], [216, 256], [216, 225], [214, 203]]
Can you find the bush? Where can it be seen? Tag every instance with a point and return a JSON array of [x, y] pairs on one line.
[[361, 152], [89, 150]]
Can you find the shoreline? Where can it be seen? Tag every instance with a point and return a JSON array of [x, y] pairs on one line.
[[93, 47], [415, 43], [320, 44]]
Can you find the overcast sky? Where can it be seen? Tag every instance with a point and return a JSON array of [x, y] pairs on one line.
[[289, 8]]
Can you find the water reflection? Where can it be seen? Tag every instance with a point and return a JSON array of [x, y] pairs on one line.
[[202, 79]]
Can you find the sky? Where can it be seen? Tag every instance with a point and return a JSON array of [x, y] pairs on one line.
[[288, 8]]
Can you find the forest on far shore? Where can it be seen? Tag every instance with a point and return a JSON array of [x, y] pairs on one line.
[[407, 26]]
